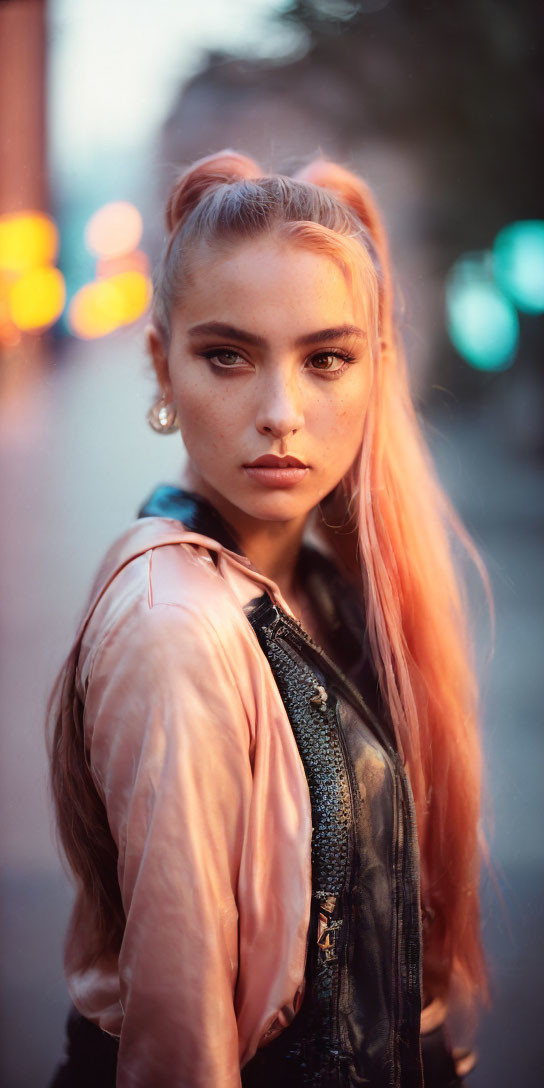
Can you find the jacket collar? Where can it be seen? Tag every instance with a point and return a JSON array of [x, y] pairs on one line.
[[320, 575], [196, 513], [333, 597], [341, 608]]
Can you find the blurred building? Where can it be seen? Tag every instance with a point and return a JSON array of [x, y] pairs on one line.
[[23, 155]]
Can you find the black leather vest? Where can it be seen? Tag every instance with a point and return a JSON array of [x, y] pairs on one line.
[[358, 1024]]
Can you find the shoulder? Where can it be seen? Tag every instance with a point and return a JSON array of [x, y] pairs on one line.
[[168, 593], [166, 681]]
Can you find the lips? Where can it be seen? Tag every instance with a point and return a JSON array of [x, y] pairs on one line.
[[277, 472], [270, 460]]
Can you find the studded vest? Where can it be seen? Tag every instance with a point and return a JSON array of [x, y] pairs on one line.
[[358, 1022]]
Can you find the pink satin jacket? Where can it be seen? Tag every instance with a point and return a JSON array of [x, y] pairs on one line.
[[193, 754], [194, 757]]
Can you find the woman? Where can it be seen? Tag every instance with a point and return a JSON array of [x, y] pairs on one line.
[[265, 760]]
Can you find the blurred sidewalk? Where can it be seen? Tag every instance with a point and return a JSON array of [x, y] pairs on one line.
[[500, 497], [77, 459]]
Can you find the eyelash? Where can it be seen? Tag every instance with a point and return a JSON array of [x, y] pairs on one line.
[[330, 374]]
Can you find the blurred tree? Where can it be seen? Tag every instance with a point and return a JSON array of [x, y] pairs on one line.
[[463, 81], [463, 85]]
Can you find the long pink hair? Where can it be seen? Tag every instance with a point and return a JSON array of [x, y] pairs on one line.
[[391, 527]]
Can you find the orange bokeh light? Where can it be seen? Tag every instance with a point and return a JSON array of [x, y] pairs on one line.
[[138, 261], [136, 291], [36, 299], [114, 230], [33, 292], [101, 307], [96, 310], [27, 240]]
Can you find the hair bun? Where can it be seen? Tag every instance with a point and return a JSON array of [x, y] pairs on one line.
[[222, 168], [353, 191]]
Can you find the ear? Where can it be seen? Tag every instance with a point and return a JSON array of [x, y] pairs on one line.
[[159, 358]]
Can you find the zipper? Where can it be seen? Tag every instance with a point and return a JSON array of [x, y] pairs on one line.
[[326, 925], [328, 928]]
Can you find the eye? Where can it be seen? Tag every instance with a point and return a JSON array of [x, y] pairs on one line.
[[331, 362], [224, 358]]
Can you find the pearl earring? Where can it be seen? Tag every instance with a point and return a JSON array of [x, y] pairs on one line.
[[162, 417]]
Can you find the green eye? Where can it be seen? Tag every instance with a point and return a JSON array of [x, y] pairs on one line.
[[226, 358]]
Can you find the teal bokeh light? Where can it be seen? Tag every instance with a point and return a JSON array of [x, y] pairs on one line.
[[518, 264], [482, 322]]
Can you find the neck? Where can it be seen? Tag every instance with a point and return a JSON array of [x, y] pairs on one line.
[[271, 546]]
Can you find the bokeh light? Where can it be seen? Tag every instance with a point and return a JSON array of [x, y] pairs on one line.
[[138, 261], [36, 299], [101, 307], [482, 322], [27, 239], [10, 335], [96, 310], [135, 290], [518, 263], [113, 230]]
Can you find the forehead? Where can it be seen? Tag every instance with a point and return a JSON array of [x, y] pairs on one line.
[[264, 280]]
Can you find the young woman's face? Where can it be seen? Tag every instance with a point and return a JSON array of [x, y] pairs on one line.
[[268, 357]]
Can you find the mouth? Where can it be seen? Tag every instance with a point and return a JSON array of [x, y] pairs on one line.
[[270, 460], [276, 472]]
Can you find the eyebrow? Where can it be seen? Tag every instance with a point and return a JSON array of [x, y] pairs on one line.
[[218, 328]]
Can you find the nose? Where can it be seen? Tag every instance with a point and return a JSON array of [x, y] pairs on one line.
[[279, 411]]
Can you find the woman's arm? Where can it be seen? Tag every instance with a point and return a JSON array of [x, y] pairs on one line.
[[168, 740]]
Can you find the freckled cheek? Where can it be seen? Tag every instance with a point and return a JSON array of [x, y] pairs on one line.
[[355, 407], [342, 419], [340, 429], [208, 420]]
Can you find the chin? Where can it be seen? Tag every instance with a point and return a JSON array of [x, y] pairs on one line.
[[277, 507]]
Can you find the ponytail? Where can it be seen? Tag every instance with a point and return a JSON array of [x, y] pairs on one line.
[[417, 628]]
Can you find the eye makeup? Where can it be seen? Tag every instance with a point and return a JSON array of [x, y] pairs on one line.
[[213, 354]]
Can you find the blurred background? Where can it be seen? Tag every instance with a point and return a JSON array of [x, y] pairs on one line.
[[439, 106]]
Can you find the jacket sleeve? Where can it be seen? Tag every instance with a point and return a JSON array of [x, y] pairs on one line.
[[168, 741]]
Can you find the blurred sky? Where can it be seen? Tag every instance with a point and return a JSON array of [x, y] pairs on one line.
[[114, 69]]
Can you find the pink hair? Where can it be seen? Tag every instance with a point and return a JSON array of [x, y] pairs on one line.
[[418, 632]]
